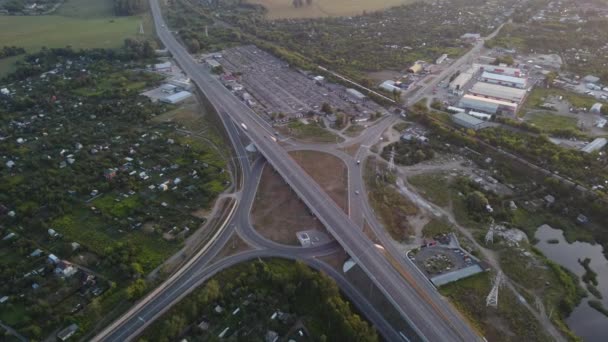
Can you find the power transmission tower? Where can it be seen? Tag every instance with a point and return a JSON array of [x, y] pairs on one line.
[[206, 31], [490, 233], [391, 162], [492, 299]]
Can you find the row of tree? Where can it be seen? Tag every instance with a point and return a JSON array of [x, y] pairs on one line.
[[10, 51], [301, 3], [129, 7]]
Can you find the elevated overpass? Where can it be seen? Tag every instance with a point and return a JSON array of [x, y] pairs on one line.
[[431, 317]]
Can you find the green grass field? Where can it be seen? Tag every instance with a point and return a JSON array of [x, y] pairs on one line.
[[78, 23], [434, 187], [547, 121], [312, 132], [325, 8]]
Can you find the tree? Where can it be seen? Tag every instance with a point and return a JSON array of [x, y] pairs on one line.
[[128, 7], [136, 270], [326, 108], [211, 292], [136, 289], [14, 5], [508, 60], [477, 201], [218, 70]]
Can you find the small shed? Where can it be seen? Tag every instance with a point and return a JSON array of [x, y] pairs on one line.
[[68, 332], [596, 108], [591, 79]]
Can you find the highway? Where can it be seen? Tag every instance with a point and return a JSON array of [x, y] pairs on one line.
[[419, 304], [431, 316]]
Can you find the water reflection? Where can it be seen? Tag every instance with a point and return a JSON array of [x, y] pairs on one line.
[[587, 323]]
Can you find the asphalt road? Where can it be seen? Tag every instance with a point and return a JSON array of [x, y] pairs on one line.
[[420, 305], [200, 269], [431, 318]]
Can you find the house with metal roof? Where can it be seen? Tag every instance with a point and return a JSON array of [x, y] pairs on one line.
[[595, 145], [467, 121]]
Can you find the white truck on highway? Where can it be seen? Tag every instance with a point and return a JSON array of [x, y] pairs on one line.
[[244, 126]]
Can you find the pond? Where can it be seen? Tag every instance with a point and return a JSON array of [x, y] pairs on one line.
[[585, 321]]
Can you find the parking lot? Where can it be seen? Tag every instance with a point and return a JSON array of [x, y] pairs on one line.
[[443, 261], [278, 88]]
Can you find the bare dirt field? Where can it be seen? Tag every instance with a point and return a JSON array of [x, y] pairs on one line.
[[352, 149], [325, 8], [328, 171], [278, 214], [383, 75]]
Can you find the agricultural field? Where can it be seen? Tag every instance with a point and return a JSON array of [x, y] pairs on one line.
[[281, 9], [77, 23]]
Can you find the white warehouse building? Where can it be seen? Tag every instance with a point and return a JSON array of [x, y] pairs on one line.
[[465, 77], [177, 97], [503, 70], [509, 81], [498, 92], [485, 105]]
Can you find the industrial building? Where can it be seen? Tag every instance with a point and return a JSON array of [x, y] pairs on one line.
[[485, 105], [595, 145], [177, 97], [498, 92], [505, 80], [461, 80], [503, 70], [163, 67], [212, 63], [467, 121]]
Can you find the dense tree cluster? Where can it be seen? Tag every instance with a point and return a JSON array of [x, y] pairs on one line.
[[267, 286], [129, 7], [10, 51], [409, 152], [13, 6], [571, 40], [19, 6]]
